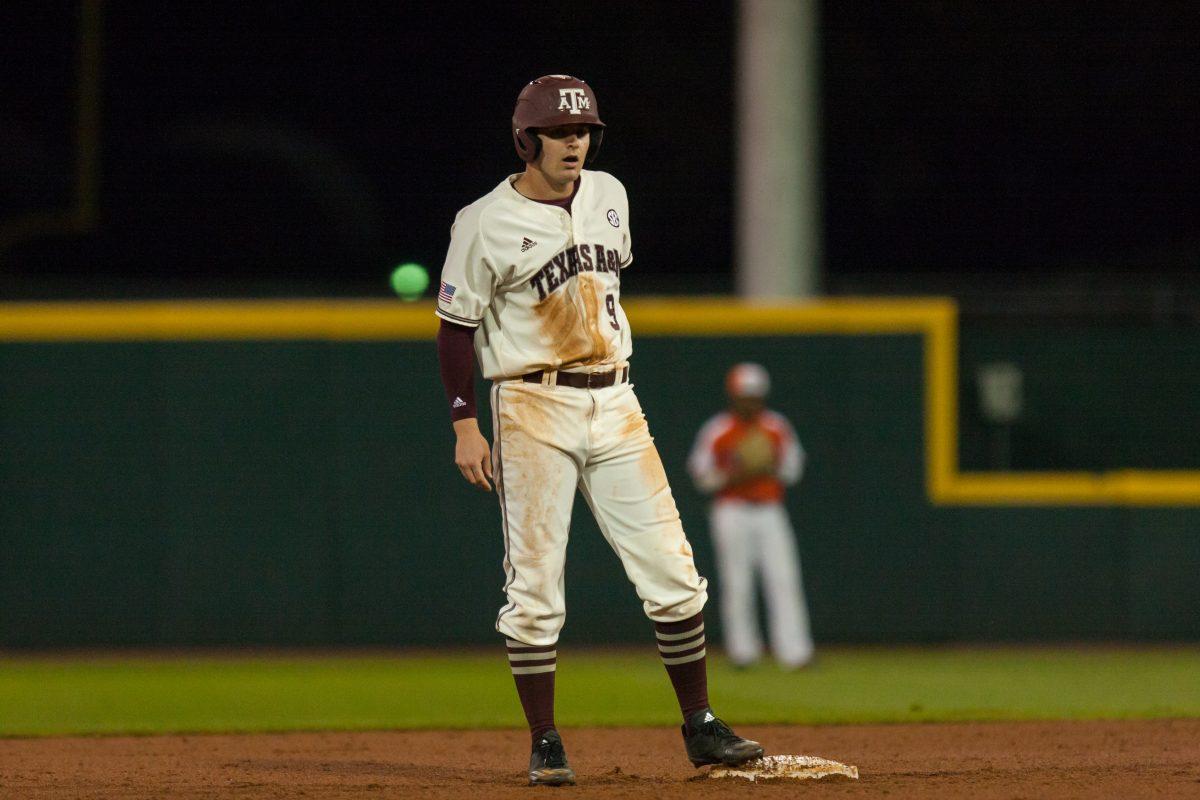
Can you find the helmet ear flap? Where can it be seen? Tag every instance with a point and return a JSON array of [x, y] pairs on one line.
[[528, 144], [597, 138]]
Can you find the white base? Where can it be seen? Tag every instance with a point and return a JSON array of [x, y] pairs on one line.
[[795, 767]]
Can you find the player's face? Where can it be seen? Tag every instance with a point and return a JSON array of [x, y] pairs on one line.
[[564, 149], [747, 407]]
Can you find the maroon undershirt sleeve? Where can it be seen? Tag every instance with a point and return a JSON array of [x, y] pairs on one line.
[[456, 355]]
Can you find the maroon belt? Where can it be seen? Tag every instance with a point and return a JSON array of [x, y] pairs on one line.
[[582, 380]]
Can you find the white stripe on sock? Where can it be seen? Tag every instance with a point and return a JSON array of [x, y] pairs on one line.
[[532, 670], [532, 656], [684, 659], [679, 648]]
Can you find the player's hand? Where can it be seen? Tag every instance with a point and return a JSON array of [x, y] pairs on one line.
[[472, 455]]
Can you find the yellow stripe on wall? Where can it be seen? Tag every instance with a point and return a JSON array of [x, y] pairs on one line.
[[935, 320], [218, 319]]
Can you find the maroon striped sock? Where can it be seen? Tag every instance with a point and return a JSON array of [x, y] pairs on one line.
[[533, 670], [681, 646]]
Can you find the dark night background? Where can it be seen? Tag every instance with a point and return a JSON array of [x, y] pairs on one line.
[[304, 148]]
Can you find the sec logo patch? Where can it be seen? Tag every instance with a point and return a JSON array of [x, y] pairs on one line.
[[613, 219]]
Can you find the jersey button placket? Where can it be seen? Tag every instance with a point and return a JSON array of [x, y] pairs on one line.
[[567, 226]]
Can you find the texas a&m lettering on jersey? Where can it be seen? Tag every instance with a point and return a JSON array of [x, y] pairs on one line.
[[553, 274], [570, 262]]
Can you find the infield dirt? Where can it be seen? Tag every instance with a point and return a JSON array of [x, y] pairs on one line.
[[996, 760]]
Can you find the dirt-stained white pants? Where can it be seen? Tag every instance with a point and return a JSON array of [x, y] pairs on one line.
[[550, 440], [757, 539]]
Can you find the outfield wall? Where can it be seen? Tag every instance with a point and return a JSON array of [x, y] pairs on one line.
[[281, 474]]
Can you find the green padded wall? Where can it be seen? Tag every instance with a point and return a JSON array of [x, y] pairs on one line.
[[303, 493]]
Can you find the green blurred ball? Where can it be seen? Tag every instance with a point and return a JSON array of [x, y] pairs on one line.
[[409, 281]]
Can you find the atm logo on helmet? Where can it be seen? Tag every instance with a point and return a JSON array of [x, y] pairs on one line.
[[574, 101]]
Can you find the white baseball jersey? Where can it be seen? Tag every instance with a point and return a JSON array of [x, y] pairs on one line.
[[542, 284]]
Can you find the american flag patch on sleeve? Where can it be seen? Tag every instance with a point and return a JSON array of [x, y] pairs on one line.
[[445, 293]]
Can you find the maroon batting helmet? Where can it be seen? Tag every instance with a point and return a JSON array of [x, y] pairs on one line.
[[554, 100]]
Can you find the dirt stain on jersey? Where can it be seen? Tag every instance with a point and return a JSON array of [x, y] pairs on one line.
[[570, 321]]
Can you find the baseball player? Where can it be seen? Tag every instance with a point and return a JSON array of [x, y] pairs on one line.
[[746, 456], [531, 289]]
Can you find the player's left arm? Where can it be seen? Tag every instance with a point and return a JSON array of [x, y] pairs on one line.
[[792, 457]]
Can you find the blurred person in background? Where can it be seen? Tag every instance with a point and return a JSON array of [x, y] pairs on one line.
[[746, 456]]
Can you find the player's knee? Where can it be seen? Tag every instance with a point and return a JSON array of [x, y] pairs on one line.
[[532, 619], [680, 605]]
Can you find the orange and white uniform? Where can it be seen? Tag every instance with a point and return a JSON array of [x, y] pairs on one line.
[[753, 536], [712, 459]]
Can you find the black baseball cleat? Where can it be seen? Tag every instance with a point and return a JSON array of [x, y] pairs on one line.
[[712, 742], [548, 762]]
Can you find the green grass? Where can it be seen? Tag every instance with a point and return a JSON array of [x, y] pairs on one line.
[[42, 695]]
